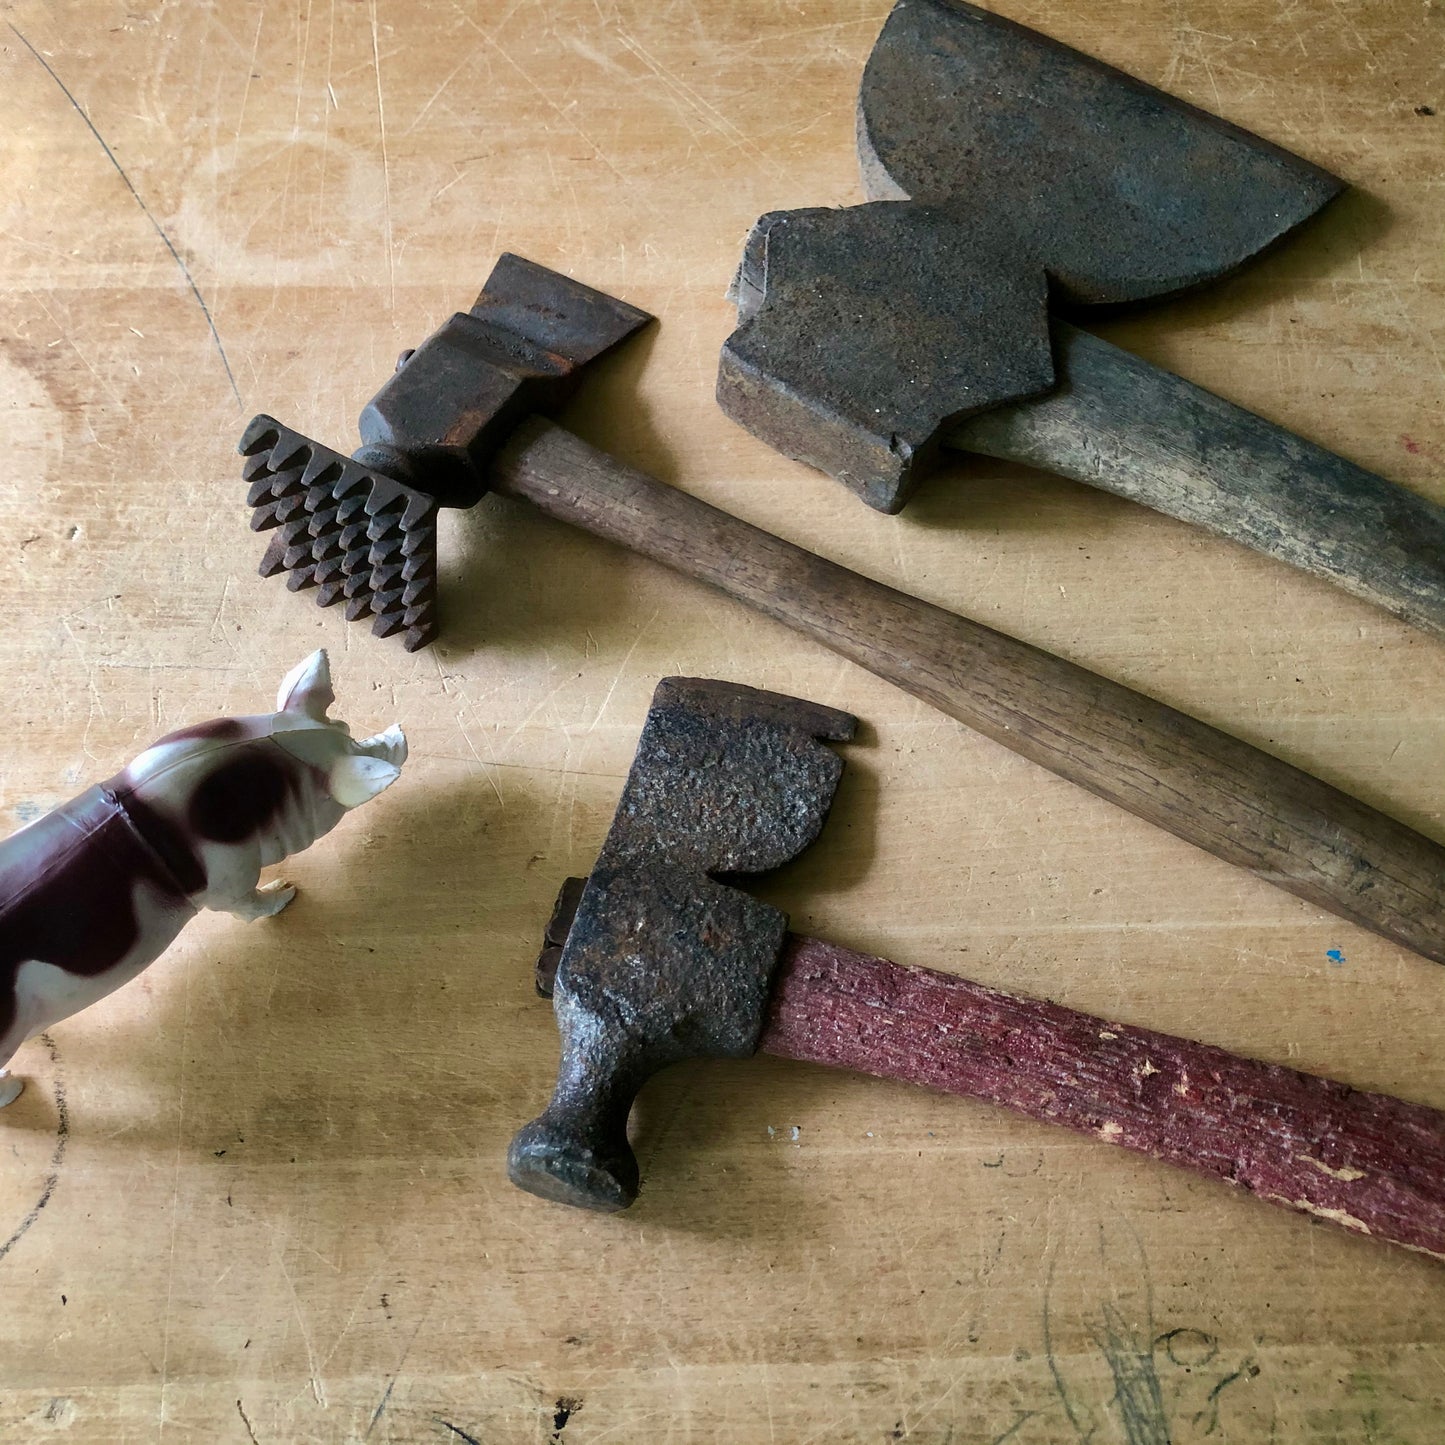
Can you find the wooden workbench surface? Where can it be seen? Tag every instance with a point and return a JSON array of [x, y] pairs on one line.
[[259, 1195]]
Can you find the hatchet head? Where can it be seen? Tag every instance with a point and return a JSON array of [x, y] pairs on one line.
[[362, 529], [662, 961], [1018, 170]]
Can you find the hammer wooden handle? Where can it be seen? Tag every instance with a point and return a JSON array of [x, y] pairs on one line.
[[1117, 423], [1241, 804], [1369, 1162]]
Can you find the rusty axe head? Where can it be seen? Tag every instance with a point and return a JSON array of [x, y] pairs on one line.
[[662, 962], [1123, 193], [363, 528], [1014, 169]]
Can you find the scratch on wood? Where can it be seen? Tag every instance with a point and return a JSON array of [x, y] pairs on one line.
[[145, 209], [385, 159], [561, 112]]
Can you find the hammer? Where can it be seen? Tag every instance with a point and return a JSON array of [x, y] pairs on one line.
[[653, 960], [1009, 174], [457, 420]]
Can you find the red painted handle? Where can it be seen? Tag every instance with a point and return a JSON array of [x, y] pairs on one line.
[[1369, 1162]]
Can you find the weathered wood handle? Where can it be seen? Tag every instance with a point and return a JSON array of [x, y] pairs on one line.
[[1369, 1162], [1199, 783], [1120, 424]]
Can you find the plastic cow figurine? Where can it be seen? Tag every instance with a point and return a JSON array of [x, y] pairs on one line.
[[93, 892]]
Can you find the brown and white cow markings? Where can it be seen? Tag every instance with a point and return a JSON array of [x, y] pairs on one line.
[[95, 891]]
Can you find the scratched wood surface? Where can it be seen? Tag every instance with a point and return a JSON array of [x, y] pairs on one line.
[[259, 1195]]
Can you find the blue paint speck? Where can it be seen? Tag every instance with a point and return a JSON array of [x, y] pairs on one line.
[[1335, 955]]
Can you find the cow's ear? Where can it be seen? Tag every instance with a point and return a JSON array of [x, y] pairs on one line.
[[306, 689], [356, 779]]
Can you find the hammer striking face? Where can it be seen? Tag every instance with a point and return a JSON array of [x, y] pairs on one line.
[[654, 961]]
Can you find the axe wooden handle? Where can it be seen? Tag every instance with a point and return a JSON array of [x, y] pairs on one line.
[[1117, 423], [1369, 1162], [1213, 790]]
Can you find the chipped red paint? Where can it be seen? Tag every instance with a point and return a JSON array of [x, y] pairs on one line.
[[1371, 1163]]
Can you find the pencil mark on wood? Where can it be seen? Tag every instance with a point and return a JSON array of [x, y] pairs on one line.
[[1188, 1348], [57, 1157], [1137, 1392], [247, 1424], [1145, 1407], [1247, 1371], [1060, 1387], [390, 1386], [145, 209], [1021, 1418], [457, 1431]]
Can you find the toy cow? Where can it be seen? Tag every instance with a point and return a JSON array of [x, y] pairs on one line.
[[93, 892]]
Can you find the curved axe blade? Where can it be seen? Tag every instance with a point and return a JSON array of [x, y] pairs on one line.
[[1122, 192]]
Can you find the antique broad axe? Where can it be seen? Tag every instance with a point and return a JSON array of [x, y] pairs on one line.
[[653, 960], [1008, 172], [453, 422]]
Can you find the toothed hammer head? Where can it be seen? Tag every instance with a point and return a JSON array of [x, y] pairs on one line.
[[362, 529], [662, 962]]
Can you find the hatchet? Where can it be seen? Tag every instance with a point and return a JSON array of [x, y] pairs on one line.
[[1010, 174], [459, 419], [652, 961]]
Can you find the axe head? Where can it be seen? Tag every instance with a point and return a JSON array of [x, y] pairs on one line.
[[1123, 193], [1005, 170], [662, 962]]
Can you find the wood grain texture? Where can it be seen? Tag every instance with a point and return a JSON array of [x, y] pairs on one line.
[[261, 1189], [1132, 429], [1190, 779], [1367, 1162]]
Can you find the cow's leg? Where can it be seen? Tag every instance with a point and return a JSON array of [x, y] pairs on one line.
[[263, 902]]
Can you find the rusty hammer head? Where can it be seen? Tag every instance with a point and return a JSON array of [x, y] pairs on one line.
[[1018, 170], [662, 962], [363, 529]]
